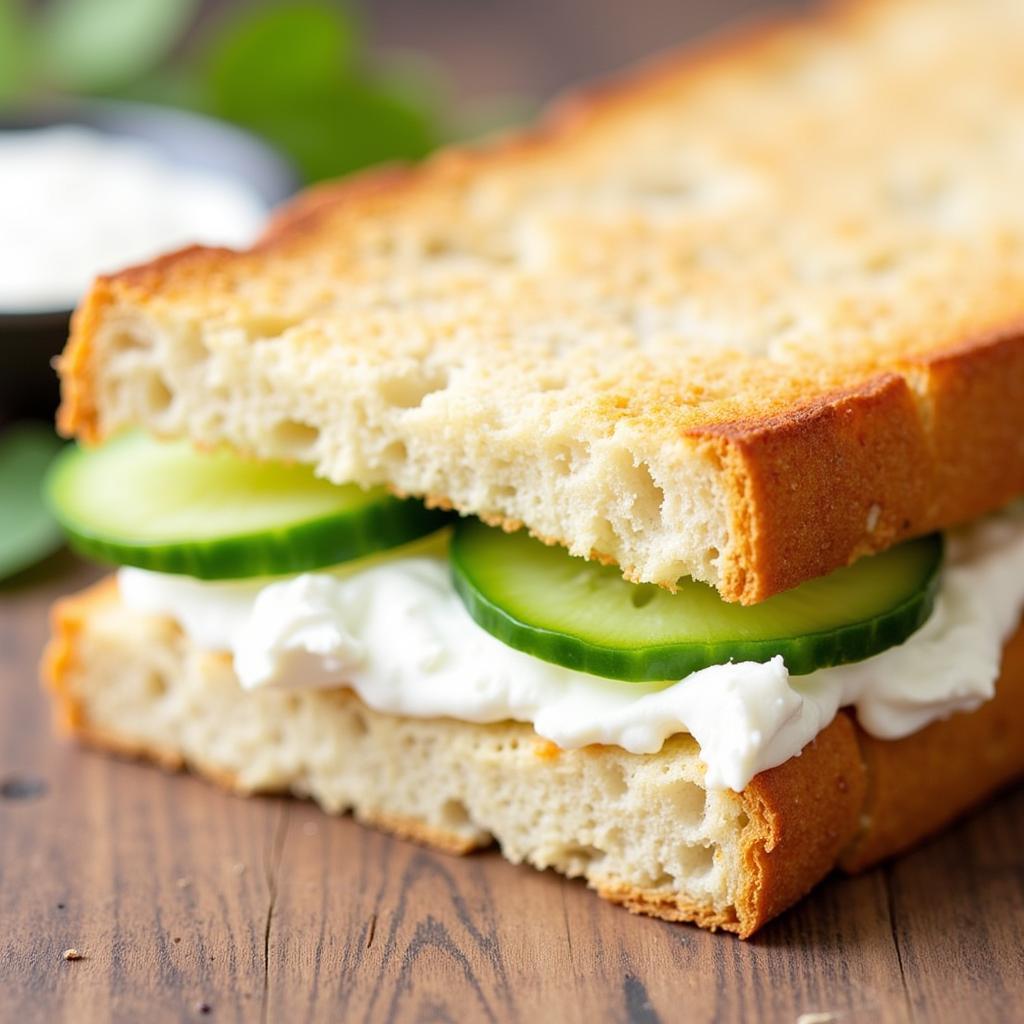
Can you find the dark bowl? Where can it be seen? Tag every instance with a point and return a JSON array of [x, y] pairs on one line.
[[30, 340]]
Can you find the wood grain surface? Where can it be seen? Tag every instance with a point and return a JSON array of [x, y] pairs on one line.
[[188, 904]]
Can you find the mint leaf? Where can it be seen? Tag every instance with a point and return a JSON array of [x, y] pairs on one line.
[[96, 45], [27, 530]]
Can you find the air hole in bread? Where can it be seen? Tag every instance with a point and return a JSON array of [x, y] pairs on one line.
[[562, 459], [359, 727], [578, 857], [686, 800], [613, 839], [394, 452], [646, 498], [293, 439], [454, 815], [615, 781], [189, 349], [408, 392], [156, 684], [604, 535], [663, 880], [118, 342], [697, 860], [158, 394]]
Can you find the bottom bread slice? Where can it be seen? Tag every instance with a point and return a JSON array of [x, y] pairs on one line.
[[641, 829]]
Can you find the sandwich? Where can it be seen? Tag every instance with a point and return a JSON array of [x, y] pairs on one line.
[[636, 492]]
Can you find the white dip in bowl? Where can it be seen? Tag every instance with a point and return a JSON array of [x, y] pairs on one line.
[[76, 202]]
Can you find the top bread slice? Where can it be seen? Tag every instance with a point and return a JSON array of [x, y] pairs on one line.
[[745, 315]]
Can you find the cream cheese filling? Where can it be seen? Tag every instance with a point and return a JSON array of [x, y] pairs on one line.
[[395, 632]]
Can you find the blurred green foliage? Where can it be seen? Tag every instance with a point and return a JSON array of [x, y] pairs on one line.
[[28, 532], [91, 45], [13, 51], [294, 72]]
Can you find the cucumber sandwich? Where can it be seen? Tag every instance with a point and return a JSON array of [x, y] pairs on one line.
[[641, 499]]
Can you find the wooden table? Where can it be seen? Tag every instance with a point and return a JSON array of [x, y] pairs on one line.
[[187, 904]]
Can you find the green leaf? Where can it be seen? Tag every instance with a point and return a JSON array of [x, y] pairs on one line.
[[290, 72], [353, 125], [14, 50], [282, 54], [27, 530], [96, 45]]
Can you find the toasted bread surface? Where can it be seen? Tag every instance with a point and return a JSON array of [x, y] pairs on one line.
[[746, 314], [643, 830]]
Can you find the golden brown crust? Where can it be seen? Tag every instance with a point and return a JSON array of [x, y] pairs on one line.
[[858, 470], [77, 414], [67, 618], [807, 484], [802, 814], [668, 907], [977, 457], [426, 835]]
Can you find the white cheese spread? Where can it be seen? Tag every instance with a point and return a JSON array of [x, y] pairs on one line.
[[75, 202], [398, 635]]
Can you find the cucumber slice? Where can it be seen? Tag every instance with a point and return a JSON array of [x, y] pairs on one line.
[[585, 616], [170, 508]]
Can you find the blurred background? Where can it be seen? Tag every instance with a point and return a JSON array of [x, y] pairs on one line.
[[131, 127], [339, 83]]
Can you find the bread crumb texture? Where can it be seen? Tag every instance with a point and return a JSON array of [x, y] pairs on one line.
[[745, 315]]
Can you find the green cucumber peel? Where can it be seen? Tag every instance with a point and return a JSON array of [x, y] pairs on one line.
[[585, 616], [168, 508]]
